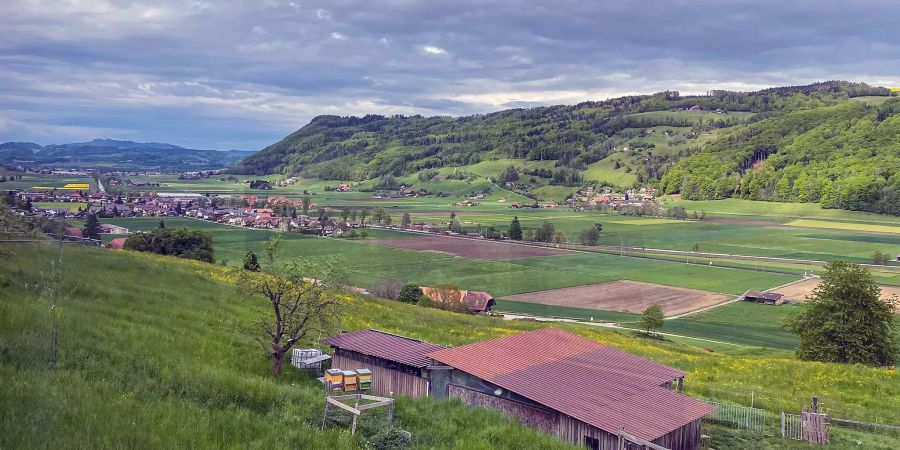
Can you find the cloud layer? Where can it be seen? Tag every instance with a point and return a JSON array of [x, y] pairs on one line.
[[242, 74]]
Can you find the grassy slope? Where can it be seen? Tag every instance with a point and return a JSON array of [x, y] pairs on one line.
[[159, 355]]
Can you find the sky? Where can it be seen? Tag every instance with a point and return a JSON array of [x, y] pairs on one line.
[[229, 74]]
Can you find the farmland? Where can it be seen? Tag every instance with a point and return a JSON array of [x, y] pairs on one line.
[[625, 296], [178, 357], [368, 263], [469, 248]]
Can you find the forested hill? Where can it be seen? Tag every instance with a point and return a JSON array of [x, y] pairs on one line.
[[845, 156], [664, 138]]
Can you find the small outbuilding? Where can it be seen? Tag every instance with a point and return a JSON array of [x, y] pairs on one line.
[[768, 298], [583, 392], [398, 363]]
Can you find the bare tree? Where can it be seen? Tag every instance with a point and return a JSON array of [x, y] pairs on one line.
[[447, 296], [387, 287], [305, 301]]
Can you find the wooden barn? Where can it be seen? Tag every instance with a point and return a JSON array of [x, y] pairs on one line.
[[577, 389], [768, 298], [398, 363]]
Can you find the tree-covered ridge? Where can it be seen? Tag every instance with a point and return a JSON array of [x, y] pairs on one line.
[[354, 148], [845, 156]]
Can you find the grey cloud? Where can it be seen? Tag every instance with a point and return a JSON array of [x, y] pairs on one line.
[[243, 74]]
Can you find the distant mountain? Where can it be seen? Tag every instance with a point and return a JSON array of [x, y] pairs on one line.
[[114, 154]]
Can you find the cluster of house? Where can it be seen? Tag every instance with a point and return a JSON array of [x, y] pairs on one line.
[[589, 197], [583, 392]]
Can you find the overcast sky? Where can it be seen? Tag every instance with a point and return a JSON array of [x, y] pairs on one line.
[[242, 74]]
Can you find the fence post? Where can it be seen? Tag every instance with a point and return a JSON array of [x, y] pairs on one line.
[[782, 424]]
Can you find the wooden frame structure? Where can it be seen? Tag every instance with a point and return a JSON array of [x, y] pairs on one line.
[[358, 407]]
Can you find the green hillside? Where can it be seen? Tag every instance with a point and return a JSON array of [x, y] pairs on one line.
[[157, 352], [845, 156], [834, 143]]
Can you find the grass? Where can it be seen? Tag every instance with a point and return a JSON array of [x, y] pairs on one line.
[[777, 211], [741, 323], [845, 226], [159, 352], [368, 263], [74, 206]]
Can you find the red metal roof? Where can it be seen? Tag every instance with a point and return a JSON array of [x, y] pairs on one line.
[[392, 347], [594, 383]]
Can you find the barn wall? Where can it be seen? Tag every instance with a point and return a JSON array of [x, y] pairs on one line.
[[574, 431], [539, 419], [384, 380], [685, 438]]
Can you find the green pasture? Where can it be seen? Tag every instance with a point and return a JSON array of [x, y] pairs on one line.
[[162, 353], [368, 263]]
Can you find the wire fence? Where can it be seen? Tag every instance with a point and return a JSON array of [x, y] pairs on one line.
[[738, 416]]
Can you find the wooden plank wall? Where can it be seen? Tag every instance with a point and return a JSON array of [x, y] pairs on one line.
[[574, 431], [385, 381], [539, 419]]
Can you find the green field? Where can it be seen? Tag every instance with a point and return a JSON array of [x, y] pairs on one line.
[[34, 180], [159, 352], [74, 206], [368, 263]]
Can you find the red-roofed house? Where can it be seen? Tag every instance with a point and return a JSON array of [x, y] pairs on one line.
[[74, 231], [398, 363], [572, 387]]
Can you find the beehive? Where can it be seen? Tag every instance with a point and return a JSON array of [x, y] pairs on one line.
[[349, 380], [365, 379], [334, 379]]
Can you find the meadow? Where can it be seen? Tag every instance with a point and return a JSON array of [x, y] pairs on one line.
[[160, 352], [368, 263]]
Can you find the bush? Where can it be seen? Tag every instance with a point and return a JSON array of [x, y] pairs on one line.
[[391, 439], [410, 293], [180, 242]]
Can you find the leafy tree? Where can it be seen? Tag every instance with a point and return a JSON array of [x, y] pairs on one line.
[[270, 248], [162, 225], [652, 318], [91, 228], [387, 220], [345, 214], [448, 297], [845, 319], [515, 229], [455, 226], [589, 236], [306, 202], [250, 262], [559, 237], [181, 242], [410, 293], [545, 232], [378, 215], [363, 214], [305, 302], [406, 220], [880, 258]]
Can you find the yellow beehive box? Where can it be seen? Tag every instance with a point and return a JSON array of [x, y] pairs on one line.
[[349, 380], [334, 379]]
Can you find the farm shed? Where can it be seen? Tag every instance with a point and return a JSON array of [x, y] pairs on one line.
[[768, 298], [476, 302], [572, 387], [398, 363]]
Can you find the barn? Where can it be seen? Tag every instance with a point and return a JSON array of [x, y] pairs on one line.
[[579, 390], [768, 298], [398, 363]]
